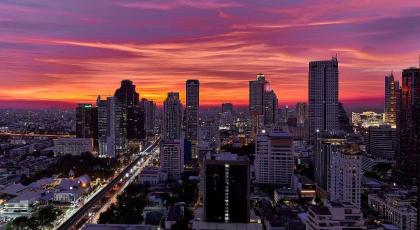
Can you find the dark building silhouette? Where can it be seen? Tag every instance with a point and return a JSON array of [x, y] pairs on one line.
[[86, 121], [227, 188], [135, 122], [133, 113], [127, 93], [409, 123], [343, 119], [192, 89], [227, 108]]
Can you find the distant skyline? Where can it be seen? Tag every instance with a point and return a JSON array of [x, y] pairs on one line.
[[56, 54]]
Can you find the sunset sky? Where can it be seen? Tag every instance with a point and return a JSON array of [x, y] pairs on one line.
[[55, 53]]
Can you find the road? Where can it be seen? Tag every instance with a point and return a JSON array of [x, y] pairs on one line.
[[141, 165], [73, 221]]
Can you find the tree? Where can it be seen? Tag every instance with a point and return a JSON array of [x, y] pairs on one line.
[[46, 216], [22, 223], [129, 207]]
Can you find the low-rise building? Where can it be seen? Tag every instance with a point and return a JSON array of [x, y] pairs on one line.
[[335, 217], [72, 146], [152, 176], [396, 210]]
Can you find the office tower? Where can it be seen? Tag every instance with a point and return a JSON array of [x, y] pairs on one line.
[[112, 133], [149, 108], [86, 121], [323, 96], [382, 142], [191, 112], [256, 103], [262, 104], [256, 95], [127, 93], [227, 108], [135, 122], [270, 108], [274, 160], [391, 96], [172, 117], [226, 188], [116, 140], [301, 113], [345, 176], [172, 158], [343, 119], [327, 143], [101, 106], [132, 112], [409, 123]]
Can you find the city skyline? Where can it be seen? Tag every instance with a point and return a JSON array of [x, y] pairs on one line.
[[60, 54]]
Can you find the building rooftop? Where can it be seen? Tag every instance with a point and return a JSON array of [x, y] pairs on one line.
[[320, 210], [119, 227]]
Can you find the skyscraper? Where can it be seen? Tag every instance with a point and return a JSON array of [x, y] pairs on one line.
[[135, 122], [274, 160], [117, 127], [323, 96], [301, 113], [172, 117], [102, 107], [149, 108], [127, 93], [391, 100], [86, 121], [270, 107], [345, 176], [262, 104], [409, 123], [191, 109], [131, 110], [226, 188]]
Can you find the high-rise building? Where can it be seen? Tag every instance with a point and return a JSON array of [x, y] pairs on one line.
[[127, 93], [323, 96], [409, 123], [382, 142], [102, 107], [135, 122], [262, 104], [270, 108], [343, 119], [191, 113], [149, 108], [132, 112], [274, 160], [345, 176], [172, 158], [117, 131], [86, 121], [301, 113], [226, 188], [392, 88], [256, 95], [172, 117], [227, 107], [327, 143]]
